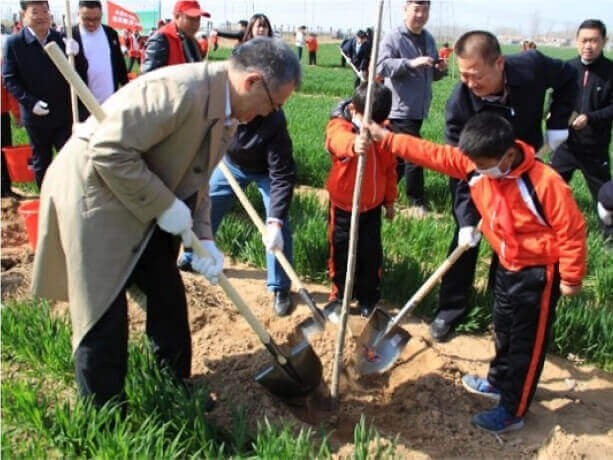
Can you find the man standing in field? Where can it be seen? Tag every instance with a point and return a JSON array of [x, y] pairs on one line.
[[408, 60], [587, 147], [119, 199], [175, 43], [512, 86]]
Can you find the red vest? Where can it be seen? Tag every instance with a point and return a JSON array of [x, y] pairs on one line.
[[175, 46]]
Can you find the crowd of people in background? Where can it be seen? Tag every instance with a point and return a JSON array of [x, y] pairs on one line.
[[501, 95]]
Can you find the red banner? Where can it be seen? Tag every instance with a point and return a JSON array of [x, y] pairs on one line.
[[120, 18]]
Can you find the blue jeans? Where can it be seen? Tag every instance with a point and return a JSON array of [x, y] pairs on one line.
[[222, 197]]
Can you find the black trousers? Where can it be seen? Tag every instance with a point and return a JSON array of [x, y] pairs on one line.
[[101, 359], [7, 141], [299, 51], [458, 281], [523, 314], [43, 139], [312, 57], [369, 259], [594, 166], [413, 174]]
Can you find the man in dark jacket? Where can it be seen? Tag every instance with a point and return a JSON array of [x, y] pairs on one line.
[[261, 153], [100, 64], [512, 86], [587, 147], [175, 43], [40, 89]]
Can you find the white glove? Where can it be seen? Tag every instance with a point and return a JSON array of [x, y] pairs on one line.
[[210, 267], [272, 238], [469, 236], [177, 219], [40, 108], [555, 137], [124, 49], [605, 215], [72, 46]]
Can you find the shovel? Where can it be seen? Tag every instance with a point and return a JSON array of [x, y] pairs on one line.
[[382, 340], [291, 376], [313, 325]]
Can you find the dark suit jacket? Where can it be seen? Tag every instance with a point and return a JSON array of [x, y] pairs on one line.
[[30, 76], [118, 63]]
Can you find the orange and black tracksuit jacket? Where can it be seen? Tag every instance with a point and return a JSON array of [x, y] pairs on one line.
[[378, 188], [535, 227]]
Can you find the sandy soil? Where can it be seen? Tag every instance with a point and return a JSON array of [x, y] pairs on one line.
[[420, 402]]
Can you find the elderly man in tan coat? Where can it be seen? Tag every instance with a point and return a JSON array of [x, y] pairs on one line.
[[120, 195]]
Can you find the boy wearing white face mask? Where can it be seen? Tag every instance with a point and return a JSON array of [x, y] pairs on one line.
[[535, 227]]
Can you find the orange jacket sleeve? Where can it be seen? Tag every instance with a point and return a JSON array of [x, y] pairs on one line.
[[568, 224], [340, 138], [438, 157], [391, 178]]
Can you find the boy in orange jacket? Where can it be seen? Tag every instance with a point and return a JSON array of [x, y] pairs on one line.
[[535, 227], [312, 45], [378, 191]]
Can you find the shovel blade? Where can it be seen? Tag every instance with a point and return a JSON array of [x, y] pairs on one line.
[[332, 312], [376, 353], [310, 328], [298, 378]]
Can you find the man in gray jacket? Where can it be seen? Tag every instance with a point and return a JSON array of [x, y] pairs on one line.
[[408, 60]]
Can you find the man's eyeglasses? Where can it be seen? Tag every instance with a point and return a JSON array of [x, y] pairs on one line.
[[274, 106]]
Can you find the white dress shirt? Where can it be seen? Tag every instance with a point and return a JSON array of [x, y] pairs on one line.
[[97, 51]]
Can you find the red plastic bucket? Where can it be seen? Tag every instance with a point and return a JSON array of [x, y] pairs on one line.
[[28, 211], [18, 164]]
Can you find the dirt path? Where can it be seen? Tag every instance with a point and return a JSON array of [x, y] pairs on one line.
[[420, 401]]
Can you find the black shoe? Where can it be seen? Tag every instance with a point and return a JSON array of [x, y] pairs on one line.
[[440, 330], [282, 303], [365, 309]]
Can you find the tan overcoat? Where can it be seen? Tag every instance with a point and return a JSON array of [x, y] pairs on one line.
[[164, 134]]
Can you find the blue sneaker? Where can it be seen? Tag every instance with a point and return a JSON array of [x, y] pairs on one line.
[[481, 387], [185, 262], [497, 421]]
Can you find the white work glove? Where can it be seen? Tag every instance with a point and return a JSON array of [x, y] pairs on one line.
[[421, 61], [177, 219], [210, 267], [605, 215], [72, 46], [469, 236], [40, 108], [555, 137], [272, 238], [124, 49]]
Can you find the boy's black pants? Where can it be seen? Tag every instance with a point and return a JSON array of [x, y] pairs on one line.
[[369, 255], [101, 359], [312, 57], [594, 166], [523, 314], [413, 174]]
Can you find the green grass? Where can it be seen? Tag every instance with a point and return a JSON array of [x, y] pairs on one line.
[[42, 417]]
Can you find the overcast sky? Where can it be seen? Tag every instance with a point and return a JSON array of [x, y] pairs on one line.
[[524, 15]]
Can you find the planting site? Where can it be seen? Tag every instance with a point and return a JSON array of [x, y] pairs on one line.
[[418, 408]]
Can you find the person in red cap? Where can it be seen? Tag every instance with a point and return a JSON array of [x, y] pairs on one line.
[[175, 42]]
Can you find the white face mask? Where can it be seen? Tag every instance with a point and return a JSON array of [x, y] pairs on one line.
[[495, 172]]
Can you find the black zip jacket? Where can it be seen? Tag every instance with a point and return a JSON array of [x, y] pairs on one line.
[[595, 100], [263, 146], [528, 76], [157, 51]]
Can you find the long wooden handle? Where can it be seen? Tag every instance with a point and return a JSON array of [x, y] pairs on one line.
[[431, 282], [93, 106], [357, 72], [73, 95], [236, 299], [355, 217], [75, 81]]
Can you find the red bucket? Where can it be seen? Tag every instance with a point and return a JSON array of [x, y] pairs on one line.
[[28, 211], [18, 163]]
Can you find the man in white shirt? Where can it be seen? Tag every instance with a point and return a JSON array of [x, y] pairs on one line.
[[100, 63]]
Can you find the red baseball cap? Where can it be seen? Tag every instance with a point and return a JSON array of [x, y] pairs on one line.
[[190, 8]]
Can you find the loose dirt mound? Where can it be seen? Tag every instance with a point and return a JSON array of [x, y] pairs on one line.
[[420, 402]]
